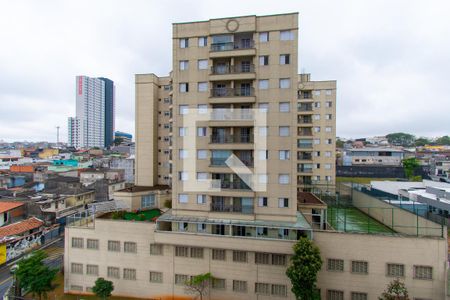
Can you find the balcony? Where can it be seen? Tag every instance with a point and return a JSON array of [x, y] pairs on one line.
[[304, 144], [305, 107], [231, 208], [232, 185], [235, 72], [304, 132], [243, 94], [302, 95], [220, 162], [304, 168], [304, 156], [232, 139], [304, 120]]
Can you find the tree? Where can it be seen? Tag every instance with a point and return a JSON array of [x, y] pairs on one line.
[[199, 284], [305, 264], [117, 141], [396, 290], [339, 143], [400, 139], [34, 276], [103, 288], [422, 141], [444, 140], [409, 165]]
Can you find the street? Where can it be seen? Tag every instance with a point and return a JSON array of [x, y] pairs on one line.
[[54, 260]]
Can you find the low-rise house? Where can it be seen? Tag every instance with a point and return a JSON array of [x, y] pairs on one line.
[[21, 228], [10, 212], [373, 156]]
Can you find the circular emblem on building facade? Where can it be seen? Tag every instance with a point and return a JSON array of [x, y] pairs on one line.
[[232, 25]]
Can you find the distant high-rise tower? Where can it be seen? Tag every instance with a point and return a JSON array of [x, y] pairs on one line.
[[93, 125]]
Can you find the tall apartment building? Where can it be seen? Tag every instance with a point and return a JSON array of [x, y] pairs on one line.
[[94, 119], [239, 218]]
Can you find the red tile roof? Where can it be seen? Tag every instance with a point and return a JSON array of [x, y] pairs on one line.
[[20, 227], [6, 206]]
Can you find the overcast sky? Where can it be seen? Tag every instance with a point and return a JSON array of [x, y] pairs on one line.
[[391, 59]]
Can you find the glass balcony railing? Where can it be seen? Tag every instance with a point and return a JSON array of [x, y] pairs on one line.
[[233, 92], [219, 162], [231, 138], [228, 46], [237, 69], [231, 208]]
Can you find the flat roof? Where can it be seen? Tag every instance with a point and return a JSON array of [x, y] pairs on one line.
[[235, 17], [141, 188]]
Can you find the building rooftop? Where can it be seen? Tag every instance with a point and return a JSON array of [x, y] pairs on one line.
[[7, 205], [20, 227], [375, 149], [140, 188]]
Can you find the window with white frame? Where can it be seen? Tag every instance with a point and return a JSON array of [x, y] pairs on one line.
[[183, 226], [202, 154], [328, 117], [202, 86], [328, 129], [264, 60], [283, 178], [335, 295], [263, 107], [76, 268], [316, 128], [316, 166], [283, 130], [113, 272], [201, 131], [286, 35], [262, 201], [316, 153], [183, 154], [182, 131], [328, 104], [130, 247], [129, 274], [328, 141], [181, 279], [92, 270], [156, 277], [92, 244], [328, 92], [202, 108], [263, 154], [335, 265], [183, 176], [184, 43], [262, 288], [285, 83], [77, 242], [316, 117], [219, 254], [284, 59], [201, 199], [284, 106], [327, 178], [316, 93], [202, 64], [263, 84], [284, 154], [183, 198], [201, 227], [240, 286], [423, 272], [360, 267], [263, 37], [148, 201], [283, 202], [279, 290], [202, 175], [203, 41], [184, 65], [183, 109], [316, 141], [395, 270], [327, 153], [317, 104], [184, 87]]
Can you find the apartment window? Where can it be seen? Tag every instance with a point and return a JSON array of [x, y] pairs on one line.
[[284, 130], [327, 178], [284, 59], [181, 251], [196, 252], [316, 128], [156, 277], [113, 272], [316, 117], [360, 267], [263, 154], [328, 104], [202, 108], [262, 288], [92, 244], [202, 86], [278, 259], [182, 154], [201, 199], [181, 279], [283, 179], [262, 201], [201, 131], [285, 83], [184, 43], [395, 270], [359, 296], [264, 107], [262, 131], [328, 117], [129, 274], [316, 104], [182, 131], [335, 265], [284, 107], [78, 288], [239, 256], [201, 227], [283, 202], [279, 290], [262, 258], [286, 35], [423, 272], [156, 249], [263, 84], [183, 176], [183, 226], [202, 154], [264, 60], [240, 286], [263, 37], [184, 87], [335, 295], [92, 270], [148, 201], [219, 254], [328, 141], [261, 231], [316, 141], [202, 176], [183, 109], [203, 41], [183, 198], [166, 100], [76, 268], [130, 247], [263, 178], [77, 242], [328, 92], [184, 65], [114, 246], [284, 154], [167, 113], [218, 284]]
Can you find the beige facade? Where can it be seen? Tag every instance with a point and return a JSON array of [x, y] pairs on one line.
[[243, 236]]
